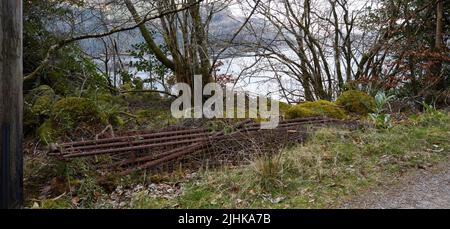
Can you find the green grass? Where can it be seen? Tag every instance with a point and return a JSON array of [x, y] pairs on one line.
[[333, 165]]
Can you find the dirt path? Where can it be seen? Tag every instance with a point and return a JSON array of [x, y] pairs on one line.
[[422, 189]]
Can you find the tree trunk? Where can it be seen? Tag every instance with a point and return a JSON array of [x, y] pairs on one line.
[[196, 59], [148, 37], [11, 78], [202, 46]]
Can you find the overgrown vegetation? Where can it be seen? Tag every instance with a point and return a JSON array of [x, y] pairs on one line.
[[333, 164], [71, 92]]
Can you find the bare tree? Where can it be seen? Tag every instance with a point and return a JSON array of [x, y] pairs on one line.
[[314, 43]]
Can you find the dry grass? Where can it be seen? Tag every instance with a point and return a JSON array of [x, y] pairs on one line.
[[332, 165]]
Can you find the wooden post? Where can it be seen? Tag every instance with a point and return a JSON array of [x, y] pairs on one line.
[[11, 153]]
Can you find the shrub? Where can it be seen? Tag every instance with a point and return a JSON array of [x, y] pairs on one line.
[[60, 83], [138, 83], [317, 108], [112, 107], [356, 101], [30, 121]]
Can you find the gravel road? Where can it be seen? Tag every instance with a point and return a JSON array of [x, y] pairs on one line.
[[422, 189]]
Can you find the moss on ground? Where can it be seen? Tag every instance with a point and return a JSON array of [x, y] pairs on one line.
[[356, 102], [69, 112], [65, 116], [42, 105], [316, 108], [284, 107]]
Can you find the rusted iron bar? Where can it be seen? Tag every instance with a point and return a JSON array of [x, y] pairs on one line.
[[130, 148], [169, 157], [126, 138], [131, 143], [211, 140]]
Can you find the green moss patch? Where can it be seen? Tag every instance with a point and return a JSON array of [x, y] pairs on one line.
[[316, 108], [42, 105], [71, 111], [356, 102]]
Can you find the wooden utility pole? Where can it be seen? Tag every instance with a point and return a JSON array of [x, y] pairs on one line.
[[11, 153]]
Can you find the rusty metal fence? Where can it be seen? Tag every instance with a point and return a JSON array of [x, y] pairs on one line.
[[144, 150]]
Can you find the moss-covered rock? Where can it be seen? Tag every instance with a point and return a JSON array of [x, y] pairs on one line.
[[284, 107], [316, 108], [127, 86], [69, 112], [356, 101], [42, 105], [300, 112]]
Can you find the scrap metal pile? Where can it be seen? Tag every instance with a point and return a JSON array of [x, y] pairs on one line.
[[183, 146]]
